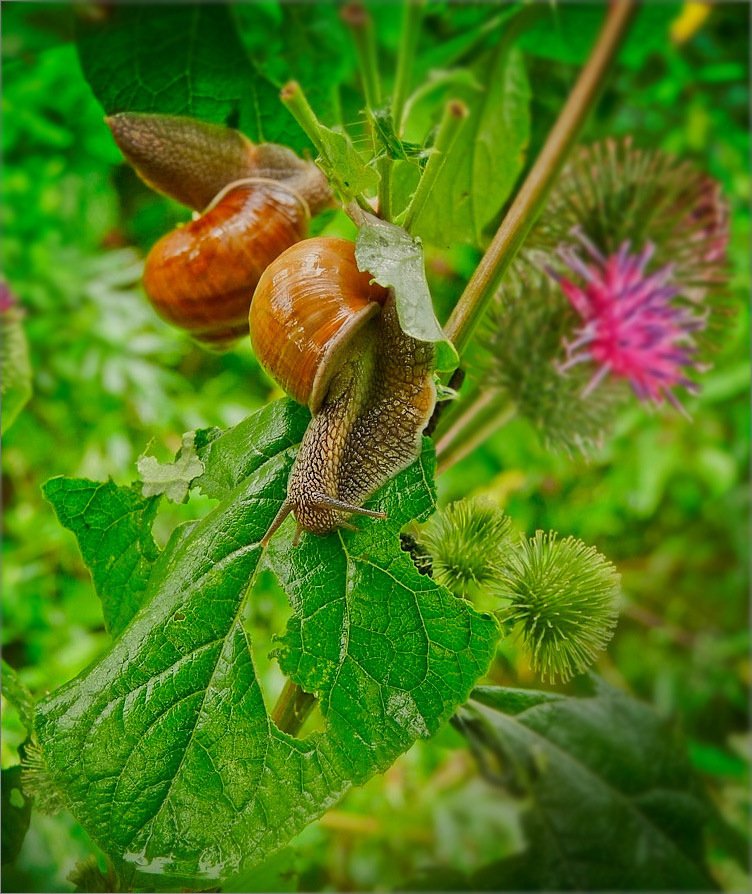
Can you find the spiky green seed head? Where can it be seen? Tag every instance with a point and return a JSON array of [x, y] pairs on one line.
[[563, 602], [468, 541]]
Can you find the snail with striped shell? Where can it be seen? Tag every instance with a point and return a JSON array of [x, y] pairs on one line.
[[333, 341], [255, 201]]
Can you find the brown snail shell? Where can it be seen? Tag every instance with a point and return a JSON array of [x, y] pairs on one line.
[[309, 305], [201, 276], [256, 202]]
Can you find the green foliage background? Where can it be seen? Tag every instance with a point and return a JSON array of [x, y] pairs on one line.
[[667, 501]]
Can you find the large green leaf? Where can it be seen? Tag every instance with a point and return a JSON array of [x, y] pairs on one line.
[[488, 154], [182, 59], [164, 747], [613, 801], [113, 527]]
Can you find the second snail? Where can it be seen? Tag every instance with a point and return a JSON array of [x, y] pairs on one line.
[[251, 202]]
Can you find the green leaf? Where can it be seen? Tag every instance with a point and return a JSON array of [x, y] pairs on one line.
[[487, 156], [233, 455], [18, 695], [395, 259], [16, 815], [614, 804], [171, 479], [566, 32], [343, 166], [387, 649], [113, 527], [310, 46], [389, 143], [182, 59], [15, 368], [164, 747]]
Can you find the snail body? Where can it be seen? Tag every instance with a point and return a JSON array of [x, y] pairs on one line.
[[254, 202], [332, 339]]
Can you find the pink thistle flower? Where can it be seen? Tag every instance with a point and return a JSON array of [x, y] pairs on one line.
[[631, 328]]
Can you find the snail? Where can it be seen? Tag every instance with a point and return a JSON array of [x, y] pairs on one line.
[[332, 339], [254, 202]]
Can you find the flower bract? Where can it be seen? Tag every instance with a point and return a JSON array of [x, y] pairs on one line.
[[632, 326]]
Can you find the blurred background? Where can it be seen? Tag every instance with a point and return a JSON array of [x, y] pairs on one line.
[[666, 499]]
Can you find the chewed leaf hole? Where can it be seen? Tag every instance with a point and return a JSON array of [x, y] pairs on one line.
[[266, 613]]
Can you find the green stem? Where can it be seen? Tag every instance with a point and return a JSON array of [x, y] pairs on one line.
[[292, 708], [294, 99], [360, 23], [489, 413], [412, 16], [455, 115], [384, 167], [469, 395], [532, 196]]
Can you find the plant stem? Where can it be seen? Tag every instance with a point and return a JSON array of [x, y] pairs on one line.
[[489, 413], [455, 115], [294, 99], [459, 407], [532, 196], [292, 708], [359, 21], [412, 16]]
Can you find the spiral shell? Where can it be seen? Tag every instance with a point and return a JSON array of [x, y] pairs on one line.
[[201, 276], [309, 305]]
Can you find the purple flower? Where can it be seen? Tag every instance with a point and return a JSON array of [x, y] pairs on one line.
[[631, 327]]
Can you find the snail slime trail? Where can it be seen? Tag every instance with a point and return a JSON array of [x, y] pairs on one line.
[[332, 340]]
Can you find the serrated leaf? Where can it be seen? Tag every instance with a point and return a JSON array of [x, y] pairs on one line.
[[614, 803], [405, 647], [15, 368], [233, 455], [18, 695], [488, 155], [394, 259], [164, 747], [345, 169], [182, 59], [113, 527], [16, 815], [171, 479]]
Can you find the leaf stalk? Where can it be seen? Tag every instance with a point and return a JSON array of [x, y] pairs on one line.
[[292, 708], [491, 411], [412, 16], [360, 23]]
